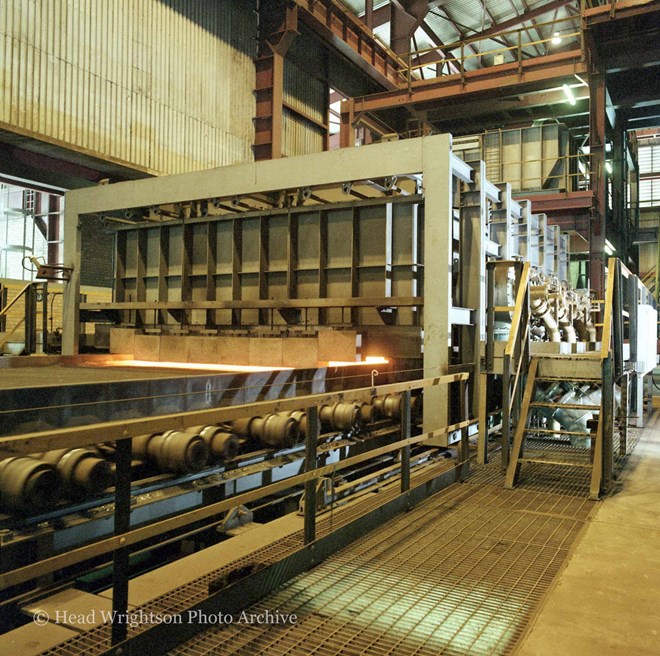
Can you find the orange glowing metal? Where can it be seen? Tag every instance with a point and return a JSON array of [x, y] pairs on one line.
[[194, 365], [370, 359]]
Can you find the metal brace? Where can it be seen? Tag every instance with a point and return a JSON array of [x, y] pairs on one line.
[[235, 517], [324, 495]]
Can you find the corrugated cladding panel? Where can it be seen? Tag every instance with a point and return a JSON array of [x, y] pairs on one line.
[[300, 137], [307, 95], [304, 92], [161, 86]]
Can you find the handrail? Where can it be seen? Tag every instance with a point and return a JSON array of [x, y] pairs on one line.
[[649, 275], [517, 314], [517, 374], [8, 335], [87, 435], [216, 415], [475, 39], [13, 300], [466, 57], [515, 44], [515, 343]]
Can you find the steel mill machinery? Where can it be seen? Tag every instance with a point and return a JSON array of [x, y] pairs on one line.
[[291, 337]]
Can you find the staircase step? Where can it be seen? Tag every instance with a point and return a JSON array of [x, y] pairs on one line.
[[549, 431], [561, 463], [568, 406]]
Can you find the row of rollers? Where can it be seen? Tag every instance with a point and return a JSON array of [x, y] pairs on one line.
[[38, 481]]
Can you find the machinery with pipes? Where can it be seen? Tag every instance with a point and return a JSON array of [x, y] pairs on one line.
[[291, 331], [571, 369]]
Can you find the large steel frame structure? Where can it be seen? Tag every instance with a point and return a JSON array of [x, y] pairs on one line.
[[429, 157]]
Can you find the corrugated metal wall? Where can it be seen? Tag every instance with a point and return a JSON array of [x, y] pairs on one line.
[[307, 95], [530, 158], [164, 86]]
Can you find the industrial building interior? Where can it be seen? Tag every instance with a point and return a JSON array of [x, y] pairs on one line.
[[329, 327]]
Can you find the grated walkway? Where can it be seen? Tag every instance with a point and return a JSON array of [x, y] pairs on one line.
[[462, 573]]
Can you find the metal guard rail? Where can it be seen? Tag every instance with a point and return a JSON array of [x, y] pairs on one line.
[[124, 431], [516, 360]]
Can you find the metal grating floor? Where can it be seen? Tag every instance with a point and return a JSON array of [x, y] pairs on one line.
[[460, 574], [97, 640], [556, 479]]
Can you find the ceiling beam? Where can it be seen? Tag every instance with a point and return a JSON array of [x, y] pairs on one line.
[[380, 16], [537, 73], [435, 39], [406, 17], [521, 18]]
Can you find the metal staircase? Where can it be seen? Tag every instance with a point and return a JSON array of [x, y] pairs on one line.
[[542, 440], [566, 416]]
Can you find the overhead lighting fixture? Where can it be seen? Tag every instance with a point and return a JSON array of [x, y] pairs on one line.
[[609, 247], [556, 39], [608, 167], [568, 92]]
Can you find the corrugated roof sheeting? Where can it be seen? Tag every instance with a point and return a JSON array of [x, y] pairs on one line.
[[111, 79], [470, 17]]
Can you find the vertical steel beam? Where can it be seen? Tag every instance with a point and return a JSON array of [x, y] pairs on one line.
[[44, 317], [472, 244], [53, 233], [236, 267], [618, 177], [346, 119], [72, 244], [323, 264], [405, 434], [465, 443], [186, 269], [141, 275], [292, 256], [163, 269], [311, 443], [3, 302], [369, 13], [608, 424], [277, 115], [355, 261], [624, 408], [506, 416], [120, 559], [598, 178], [211, 268], [636, 390], [617, 321], [263, 268], [280, 26], [30, 318]]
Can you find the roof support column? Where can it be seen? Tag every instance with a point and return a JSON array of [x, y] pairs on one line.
[[278, 35], [597, 144], [72, 253]]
